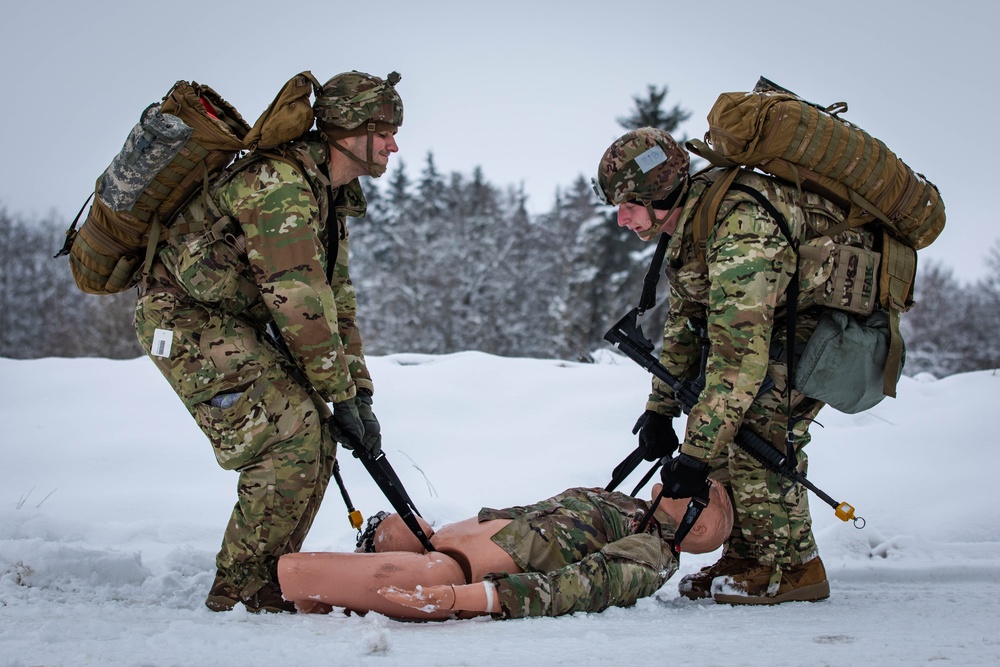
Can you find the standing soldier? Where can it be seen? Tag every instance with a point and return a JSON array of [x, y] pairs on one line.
[[276, 254], [731, 287]]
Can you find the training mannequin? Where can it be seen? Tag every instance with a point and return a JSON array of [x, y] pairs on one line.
[[578, 551]]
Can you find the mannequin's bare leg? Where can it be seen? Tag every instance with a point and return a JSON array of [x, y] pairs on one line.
[[351, 580]]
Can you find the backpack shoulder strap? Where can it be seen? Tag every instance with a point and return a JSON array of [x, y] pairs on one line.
[[708, 209]]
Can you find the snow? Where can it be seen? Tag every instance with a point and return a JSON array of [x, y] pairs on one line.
[[112, 508]]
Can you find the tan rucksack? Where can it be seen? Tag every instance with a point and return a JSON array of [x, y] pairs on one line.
[[777, 132], [175, 150]]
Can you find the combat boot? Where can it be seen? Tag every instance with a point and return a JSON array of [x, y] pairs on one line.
[[223, 596], [269, 600], [698, 586], [802, 583]]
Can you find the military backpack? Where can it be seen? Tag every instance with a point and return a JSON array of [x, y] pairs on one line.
[[812, 147], [178, 146]]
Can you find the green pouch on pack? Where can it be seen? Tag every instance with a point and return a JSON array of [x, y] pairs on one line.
[[843, 364]]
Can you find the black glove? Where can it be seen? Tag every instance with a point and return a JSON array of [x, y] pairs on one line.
[[684, 476], [347, 421], [372, 439], [656, 435]]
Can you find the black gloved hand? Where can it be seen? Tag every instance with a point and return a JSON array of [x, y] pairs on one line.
[[347, 421], [372, 439], [684, 476], [656, 435]]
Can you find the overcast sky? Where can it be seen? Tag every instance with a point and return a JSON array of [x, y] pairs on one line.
[[528, 90]]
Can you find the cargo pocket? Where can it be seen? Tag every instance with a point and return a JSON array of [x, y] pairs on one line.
[[241, 432]]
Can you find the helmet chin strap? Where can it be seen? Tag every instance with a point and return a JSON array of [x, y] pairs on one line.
[[374, 170], [657, 223]]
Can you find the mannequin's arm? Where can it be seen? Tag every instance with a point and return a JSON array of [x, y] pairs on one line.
[[480, 597]]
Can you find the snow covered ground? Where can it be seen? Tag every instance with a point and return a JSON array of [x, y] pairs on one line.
[[112, 508]]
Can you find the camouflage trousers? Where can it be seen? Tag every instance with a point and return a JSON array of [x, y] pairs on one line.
[[579, 552], [272, 435], [773, 524], [618, 575]]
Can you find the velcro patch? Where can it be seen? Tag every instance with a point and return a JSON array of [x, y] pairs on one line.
[[654, 156]]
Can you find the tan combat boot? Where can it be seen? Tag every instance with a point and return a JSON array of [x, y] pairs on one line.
[[223, 596], [802, 583], [699, 585], [268, 599]]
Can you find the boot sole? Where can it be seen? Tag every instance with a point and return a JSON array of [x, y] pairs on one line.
[[270, 609], [695, 594], [811, 593]]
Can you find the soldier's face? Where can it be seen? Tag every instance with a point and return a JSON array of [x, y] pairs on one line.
[[634, 216], [383, 145]]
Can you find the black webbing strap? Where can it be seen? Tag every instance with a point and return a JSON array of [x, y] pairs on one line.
[[648, 298]]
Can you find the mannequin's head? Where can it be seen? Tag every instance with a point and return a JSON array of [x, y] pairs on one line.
[[393, 534], [713, 525]]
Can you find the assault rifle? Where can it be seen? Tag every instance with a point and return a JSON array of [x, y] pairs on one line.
[[627, 336], [377, 466]]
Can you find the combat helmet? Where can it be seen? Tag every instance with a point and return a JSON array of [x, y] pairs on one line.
[[355, 104], [644, 166]]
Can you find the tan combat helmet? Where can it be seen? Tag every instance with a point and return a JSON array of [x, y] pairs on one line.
[[643, 166], [355, 104]]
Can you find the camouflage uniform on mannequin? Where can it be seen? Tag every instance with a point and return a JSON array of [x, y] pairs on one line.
[[580, 551], [276, 253], [734, 287]]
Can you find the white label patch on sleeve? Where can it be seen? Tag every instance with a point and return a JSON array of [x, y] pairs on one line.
[[163, 340], [650, 159]]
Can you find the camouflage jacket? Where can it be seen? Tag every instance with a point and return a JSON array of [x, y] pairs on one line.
[[580, 552], [272, 247], [738, 290]]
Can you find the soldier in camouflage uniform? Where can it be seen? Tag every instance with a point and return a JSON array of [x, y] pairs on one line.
[[733, 286], [275, 253], [580, 550]]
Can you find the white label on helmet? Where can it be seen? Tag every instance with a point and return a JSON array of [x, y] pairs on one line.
[[650, 159]]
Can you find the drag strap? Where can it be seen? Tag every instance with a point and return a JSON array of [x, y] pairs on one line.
[[698, 503], [648, 298], [385, 477]]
